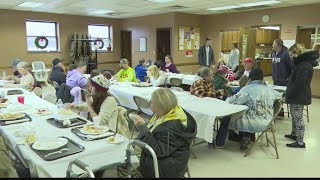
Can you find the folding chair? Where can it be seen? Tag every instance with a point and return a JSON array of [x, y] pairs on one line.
[[142, 104], [177, 82], [55, 84], [51, 98], [270, 128], [37, 91]]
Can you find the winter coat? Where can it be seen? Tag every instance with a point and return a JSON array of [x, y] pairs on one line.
[[220, 83], [298, 89], [281, 67], [6, 165], [141, 72], [57, 75], [171, 142], [64, 93], [76, 78], [202, 56]]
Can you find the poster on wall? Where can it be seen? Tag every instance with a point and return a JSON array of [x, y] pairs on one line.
[[189, 54], [181, 37], [189, 45], [187, 36], [192, 33], [196, 44]]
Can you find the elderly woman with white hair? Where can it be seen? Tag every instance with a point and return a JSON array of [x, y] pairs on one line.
[[26, 81], [169, 133]]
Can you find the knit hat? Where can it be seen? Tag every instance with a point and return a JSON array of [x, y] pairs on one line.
[[248, 60], [256, 74], [102, 82]]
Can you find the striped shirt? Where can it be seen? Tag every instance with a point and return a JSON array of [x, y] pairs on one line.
[[201, 88]]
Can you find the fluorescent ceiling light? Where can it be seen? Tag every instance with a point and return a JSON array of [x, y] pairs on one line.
[[259, 3], [30, 4], [270, 27], [223, 8], [160, 1], [101, 12]]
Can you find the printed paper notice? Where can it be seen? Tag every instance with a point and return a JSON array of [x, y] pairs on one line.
[[181, 47], [181, 37], [189, 45]]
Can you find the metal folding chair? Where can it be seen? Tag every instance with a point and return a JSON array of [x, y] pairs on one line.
[[175, 82], [270, 128]]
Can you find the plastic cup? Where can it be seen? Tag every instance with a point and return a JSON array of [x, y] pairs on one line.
[[21, 99], [96, 120]]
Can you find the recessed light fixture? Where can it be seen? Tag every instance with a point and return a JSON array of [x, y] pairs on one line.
[[101, 12], [160, 1], [223, 8], [30, 4], [244, 5]]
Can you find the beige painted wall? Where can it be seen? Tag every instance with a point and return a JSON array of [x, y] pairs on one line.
[[289, 18], [13, 36], [146, 27]]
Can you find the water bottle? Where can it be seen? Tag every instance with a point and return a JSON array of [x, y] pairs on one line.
[[4, 75], [59, 104]]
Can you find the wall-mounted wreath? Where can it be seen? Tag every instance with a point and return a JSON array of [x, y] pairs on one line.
[[99, 42], [41, 39]]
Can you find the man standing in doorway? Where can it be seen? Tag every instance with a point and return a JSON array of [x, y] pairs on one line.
[[206, 56], [281, 63]]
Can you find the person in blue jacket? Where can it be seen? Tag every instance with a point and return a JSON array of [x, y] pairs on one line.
[[141, 70]]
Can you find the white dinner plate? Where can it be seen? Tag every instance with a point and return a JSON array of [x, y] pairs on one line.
[[44, 113], [49, 144], [17, 116], [92, 132], [115, 139]]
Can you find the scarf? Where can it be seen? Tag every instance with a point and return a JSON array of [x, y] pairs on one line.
[[176, 113]]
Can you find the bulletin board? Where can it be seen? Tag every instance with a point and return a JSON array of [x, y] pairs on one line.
[[189, 38]]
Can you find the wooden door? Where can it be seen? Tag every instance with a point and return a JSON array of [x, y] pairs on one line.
[[126, 45], [163, 43]]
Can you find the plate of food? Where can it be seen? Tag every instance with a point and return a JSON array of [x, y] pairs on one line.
[[49, 144], [11, 116], [65, 112], [3, 105], [142, 84], [93, 129], [115, 139], [42, 112]]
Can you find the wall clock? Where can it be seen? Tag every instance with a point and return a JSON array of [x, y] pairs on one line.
[[265, 18]]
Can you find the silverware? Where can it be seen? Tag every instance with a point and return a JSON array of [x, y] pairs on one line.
[[57, 152]]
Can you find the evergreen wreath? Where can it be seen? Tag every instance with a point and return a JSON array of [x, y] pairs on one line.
[[41, 38], [100, 41]]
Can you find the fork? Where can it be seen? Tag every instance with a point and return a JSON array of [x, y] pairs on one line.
[[57, 152]]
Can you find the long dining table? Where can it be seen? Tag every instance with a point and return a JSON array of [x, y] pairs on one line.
[[97, 153], [204, 110]]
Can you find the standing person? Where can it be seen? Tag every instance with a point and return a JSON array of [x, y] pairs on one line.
[[126, 73], [57, 74], [281, 63], [205, 55], [234, 57], [141, 70], [298, 93], [169, 66], [316, 47], [75, 75]]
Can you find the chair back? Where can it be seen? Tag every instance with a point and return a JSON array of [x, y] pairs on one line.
[[37, 91], [50, 98], [141, 104], [175, 82], [40, 73], [37, 65], [276, 108], [55, 84]]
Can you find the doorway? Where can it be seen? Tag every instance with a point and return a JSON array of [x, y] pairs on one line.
[[163, 43], [126, 45]]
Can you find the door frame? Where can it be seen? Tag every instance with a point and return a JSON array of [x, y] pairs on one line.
[[130, 31], [163, 28]]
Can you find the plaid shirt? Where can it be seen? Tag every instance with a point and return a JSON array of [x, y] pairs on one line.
[[201, 88]]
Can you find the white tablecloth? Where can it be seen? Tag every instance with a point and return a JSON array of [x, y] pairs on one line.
[[204, 110], [3, 82], [97, 153], [186, 79]]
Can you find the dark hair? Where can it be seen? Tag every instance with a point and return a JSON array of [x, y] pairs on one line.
[[279, 42], [94, 73], [169, 57], [256, 74], [208, 39], [141, 61], [158, 64], [98, 99], [72, 67], [235, 44]]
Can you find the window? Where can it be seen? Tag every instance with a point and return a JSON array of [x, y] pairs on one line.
[[42, 28], [103, 32]]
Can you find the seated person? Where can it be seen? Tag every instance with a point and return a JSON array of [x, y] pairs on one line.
[[221, 62], [220, 82], [156, 77], [203, 87], [126, 73], [169, 66], [101, 103], [26, 81], [75, 75], [260, 99], [169, 133], [57, 74], [141, 70], [247, 67], [242, 82], [158, 64], [6, 169]]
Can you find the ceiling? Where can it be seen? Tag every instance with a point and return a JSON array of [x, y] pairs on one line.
[[135, 8]]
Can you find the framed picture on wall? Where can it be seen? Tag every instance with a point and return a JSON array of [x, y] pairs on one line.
[[143, 44]]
